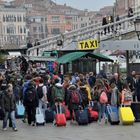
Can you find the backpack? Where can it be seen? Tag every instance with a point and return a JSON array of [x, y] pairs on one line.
[[40, 92], [84, 95], [75, 97], [128, 95], [103, 98], [30, 96], [59, 94]]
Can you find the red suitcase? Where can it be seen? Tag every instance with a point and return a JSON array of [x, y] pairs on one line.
[[60, 117], [93, 114], [67, 113]]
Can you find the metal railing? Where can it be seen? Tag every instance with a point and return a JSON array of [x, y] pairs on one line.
[[124, 26]]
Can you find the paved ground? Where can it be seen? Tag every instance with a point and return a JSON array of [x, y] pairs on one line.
[[73, 132]]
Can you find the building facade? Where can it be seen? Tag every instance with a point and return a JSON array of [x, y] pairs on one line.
[[12, 25]]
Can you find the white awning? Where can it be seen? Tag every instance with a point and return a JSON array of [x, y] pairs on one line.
[[14, 53]]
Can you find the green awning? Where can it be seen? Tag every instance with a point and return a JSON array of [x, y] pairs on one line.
[[100, 57], [71, 57], [76, 55]]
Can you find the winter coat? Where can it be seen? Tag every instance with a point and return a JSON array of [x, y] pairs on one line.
[[26, 101], [58, 93], [8, 102]]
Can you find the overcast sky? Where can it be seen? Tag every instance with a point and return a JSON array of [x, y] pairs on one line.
[[86, 4]]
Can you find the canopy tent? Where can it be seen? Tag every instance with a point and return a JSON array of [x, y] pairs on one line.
[[76, 55]]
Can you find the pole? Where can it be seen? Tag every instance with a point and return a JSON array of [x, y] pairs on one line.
[[127, 62]]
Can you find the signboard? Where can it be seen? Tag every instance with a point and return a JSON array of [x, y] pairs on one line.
[[88, 45], [120, 45]]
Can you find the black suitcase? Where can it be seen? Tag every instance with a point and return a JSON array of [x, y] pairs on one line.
[[136, 110], [82, 117], [49, 116]]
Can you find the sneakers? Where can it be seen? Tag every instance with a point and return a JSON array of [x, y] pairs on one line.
[[24, 121], [33, 124], [4, 129], [15, 129]]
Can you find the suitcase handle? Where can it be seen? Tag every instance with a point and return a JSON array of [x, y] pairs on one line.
[[91, 104], [57, 109], [109, 109]]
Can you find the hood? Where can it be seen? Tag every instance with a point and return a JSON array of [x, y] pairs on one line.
[[58, 85], [72, 87]]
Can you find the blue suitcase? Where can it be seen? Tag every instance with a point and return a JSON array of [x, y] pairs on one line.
[[20, 110], [82, 117], [49, 115], [113, 115]]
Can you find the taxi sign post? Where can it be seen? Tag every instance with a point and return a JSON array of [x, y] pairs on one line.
[[88, 45]]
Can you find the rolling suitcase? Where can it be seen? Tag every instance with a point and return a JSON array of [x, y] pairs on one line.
[[92, 114], [113, 115], [136, 110], [49, 115], [67, 113], [82, 117], [60, 117], [126, 115], [39, 117], [20, 110]]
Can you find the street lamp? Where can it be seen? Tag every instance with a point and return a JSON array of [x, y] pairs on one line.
[[137, 27]]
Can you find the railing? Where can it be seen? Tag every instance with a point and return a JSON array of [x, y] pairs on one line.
[[125, 25]]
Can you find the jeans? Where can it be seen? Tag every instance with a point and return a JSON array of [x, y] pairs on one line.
[[13, 119], [102, 111]]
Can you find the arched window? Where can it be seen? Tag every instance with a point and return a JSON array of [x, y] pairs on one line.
[[4, 19]]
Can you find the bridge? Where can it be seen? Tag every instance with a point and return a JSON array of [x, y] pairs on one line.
[[122, 29]]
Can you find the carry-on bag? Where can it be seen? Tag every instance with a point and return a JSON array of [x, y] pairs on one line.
[[49, 115], [60, 117], [113, 115], [39, 117], [20, 110], [82, 116], [126, 115], [135, 106]]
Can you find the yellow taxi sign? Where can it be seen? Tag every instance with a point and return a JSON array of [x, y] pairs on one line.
[[88, 45]]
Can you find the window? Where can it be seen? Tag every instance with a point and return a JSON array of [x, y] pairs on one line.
[[8, 31], [34, 29], [55, 31], [4, 19], [42, 19], [55, 19], [21, 30], [24, 18], [20, 18], [24, 30], [14, 18]]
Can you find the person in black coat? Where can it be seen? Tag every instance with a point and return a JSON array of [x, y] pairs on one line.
[[117, 81], [132, 82], [104, 22], [31, 102], [137, 89]]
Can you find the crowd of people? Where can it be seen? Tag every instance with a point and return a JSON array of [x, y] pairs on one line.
[[76, 91]]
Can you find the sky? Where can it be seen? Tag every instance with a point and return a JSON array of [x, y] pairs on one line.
[[86, 4]]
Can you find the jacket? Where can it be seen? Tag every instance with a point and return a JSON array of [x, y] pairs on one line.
[[58, 93], [8, 102]]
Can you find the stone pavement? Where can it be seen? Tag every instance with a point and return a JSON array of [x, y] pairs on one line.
[[72, 132]]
